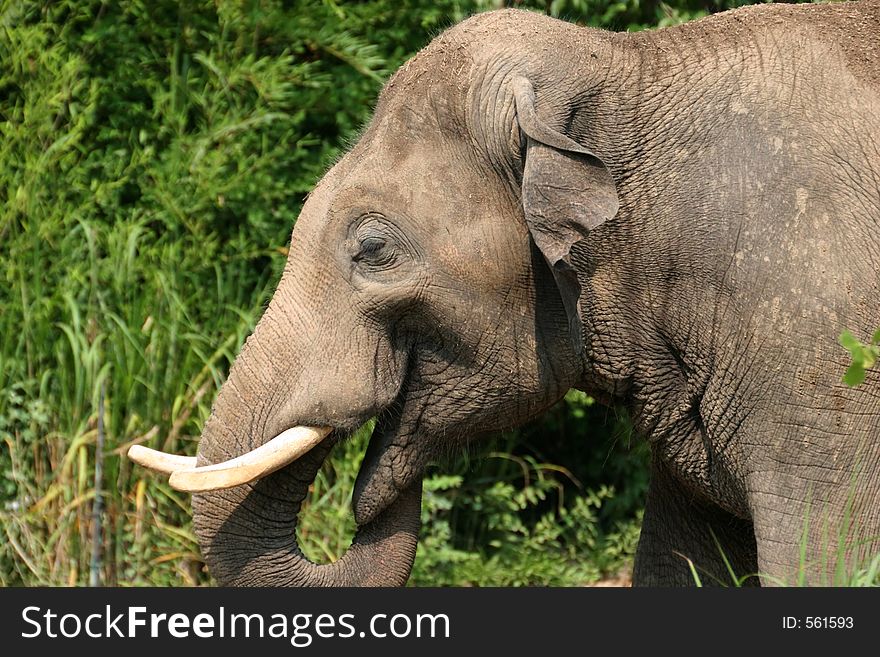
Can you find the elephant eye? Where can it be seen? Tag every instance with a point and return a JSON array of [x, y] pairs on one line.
[[375, 251], [370, 247]]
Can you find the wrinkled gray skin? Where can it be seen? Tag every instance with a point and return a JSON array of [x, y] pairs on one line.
[[470, 260]]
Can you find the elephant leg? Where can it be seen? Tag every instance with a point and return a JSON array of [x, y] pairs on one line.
[[678, 527], [812, 534]]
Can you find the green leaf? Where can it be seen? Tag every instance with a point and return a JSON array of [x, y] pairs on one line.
[[849, 342], [854, 375], [858, 357]]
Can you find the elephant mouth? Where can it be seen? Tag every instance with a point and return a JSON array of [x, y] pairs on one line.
[[390, 466]]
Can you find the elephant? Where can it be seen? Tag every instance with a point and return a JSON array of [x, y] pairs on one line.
[[681, 220]]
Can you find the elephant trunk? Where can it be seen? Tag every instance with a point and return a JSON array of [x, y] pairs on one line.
[[248, 533]]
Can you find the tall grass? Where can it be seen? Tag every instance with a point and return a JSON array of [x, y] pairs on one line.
[[142, 337]]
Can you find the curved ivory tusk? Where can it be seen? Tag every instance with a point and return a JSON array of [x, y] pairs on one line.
[[284, 448], [160, 461]]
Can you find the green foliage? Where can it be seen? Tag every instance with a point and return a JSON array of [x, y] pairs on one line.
[[513, 517], [864, 356], [866, 574], [562, 546]]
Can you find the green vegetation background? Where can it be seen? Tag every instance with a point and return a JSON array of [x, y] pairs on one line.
[[153, 159]]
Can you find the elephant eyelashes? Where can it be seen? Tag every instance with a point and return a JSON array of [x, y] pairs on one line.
[[374, 251], [370, 247]]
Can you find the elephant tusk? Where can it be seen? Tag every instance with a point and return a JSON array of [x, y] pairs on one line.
[[160, 461], [283, 449]]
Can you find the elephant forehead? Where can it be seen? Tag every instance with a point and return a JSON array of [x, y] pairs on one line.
[[430, 179]]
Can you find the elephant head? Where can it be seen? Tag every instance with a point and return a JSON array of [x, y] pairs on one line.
[[429, 285]]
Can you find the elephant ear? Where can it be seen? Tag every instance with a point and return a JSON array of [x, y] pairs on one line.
[[566, 192]]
